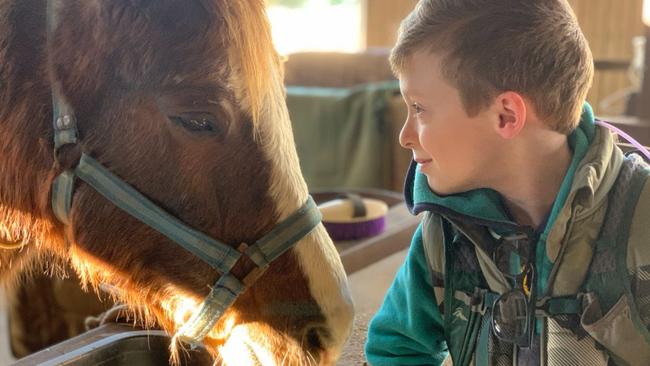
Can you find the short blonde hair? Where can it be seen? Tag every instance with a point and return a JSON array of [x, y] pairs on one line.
[[532, 47]]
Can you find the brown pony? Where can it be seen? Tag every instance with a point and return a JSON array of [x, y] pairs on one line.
[[136, 72]]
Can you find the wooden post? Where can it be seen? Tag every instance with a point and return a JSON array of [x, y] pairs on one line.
[[644, 98], [383, 18]]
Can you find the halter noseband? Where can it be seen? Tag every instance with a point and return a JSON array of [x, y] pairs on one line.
[[218, 255]]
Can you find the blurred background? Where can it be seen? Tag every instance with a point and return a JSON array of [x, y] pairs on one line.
[[614, 28]]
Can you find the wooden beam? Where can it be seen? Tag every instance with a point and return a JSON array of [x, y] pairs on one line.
[[644, 98], [383, 18]]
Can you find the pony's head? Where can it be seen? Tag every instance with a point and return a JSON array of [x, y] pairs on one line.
[[183, 100]]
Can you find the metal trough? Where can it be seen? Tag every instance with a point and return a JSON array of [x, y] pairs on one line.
[[114, 345]]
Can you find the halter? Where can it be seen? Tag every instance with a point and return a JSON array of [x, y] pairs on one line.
[[218, 255]]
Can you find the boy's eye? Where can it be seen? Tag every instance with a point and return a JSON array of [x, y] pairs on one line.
[[416, 108]]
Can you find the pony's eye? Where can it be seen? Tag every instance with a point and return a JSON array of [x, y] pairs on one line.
[[197, 122]]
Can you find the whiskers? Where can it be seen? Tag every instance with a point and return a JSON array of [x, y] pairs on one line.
[[31, 233], [231, 342], [141, 305], [255, 344]]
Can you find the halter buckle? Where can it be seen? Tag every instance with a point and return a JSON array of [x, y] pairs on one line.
[[254, 274], [65, 122]]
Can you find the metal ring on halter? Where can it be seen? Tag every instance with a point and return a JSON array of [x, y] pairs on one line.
[[11, 245]]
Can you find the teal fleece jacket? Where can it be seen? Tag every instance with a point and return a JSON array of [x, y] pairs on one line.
[[408, 328]]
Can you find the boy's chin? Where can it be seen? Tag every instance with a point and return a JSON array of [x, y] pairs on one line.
[[443, 188]]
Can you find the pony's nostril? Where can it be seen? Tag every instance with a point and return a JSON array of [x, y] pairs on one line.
[[315, 338]]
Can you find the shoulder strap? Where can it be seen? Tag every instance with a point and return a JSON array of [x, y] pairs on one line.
[[608, 276], [611, 247], [638, 254], [638, 171], [433, 241]]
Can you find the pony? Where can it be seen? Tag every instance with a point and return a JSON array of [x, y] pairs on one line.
[[184, 101]]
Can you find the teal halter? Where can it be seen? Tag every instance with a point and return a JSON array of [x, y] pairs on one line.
[[218, 255]]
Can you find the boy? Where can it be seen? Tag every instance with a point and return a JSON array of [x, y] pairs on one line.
[[522, 257]]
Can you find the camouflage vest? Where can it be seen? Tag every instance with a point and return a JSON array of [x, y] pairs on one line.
[[604, 323]]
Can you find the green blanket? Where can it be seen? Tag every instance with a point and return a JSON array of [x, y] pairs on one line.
[[342, 135]]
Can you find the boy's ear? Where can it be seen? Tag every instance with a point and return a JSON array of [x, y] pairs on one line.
[[512, 114]]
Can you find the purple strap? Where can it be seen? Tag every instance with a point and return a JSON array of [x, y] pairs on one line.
[[627, 137]]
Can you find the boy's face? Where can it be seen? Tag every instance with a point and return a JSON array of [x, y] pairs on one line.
[[457, 153]]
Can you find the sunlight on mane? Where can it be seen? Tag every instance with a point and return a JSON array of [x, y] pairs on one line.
[[250, 33], [33, 233], [89, 271], [104, 281], [16, 225]]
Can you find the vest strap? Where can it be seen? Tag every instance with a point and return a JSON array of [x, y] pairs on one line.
[[482, 347], [549, 307]]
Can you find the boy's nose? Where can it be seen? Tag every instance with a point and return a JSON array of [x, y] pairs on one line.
[[407, 136]]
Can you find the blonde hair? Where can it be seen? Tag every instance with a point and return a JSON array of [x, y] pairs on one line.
[[532, 47]]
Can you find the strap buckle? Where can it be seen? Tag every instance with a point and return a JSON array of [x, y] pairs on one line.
[[256, 272], [542, 307], [548, 307]]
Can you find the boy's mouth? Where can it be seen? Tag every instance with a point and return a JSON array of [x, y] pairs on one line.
[[422, 161]]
